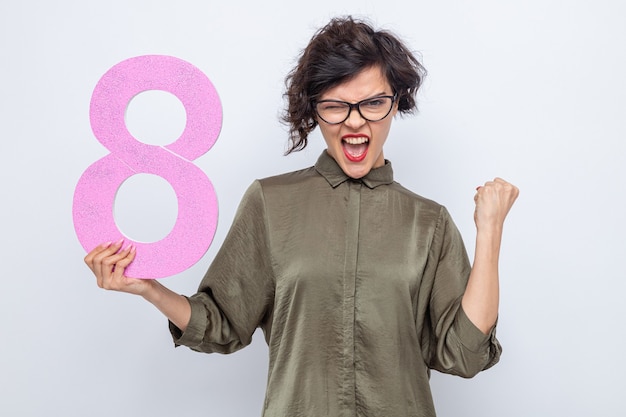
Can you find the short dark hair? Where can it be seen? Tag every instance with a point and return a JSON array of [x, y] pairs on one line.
[[337, 52]]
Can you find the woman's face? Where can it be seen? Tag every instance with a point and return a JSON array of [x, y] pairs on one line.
[[357, 144]]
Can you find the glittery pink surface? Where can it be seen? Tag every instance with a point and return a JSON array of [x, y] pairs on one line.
[[95, 192]]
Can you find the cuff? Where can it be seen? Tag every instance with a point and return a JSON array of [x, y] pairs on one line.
[[471, 336], [194, 333]]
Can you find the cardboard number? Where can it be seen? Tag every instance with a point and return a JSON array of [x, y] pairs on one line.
[[95, 192]]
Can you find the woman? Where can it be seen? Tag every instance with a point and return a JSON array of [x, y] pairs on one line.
[[360, 286]]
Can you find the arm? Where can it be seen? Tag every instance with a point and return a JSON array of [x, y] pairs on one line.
[[108, 262], [455, 344], [233, 297], [481, 298]]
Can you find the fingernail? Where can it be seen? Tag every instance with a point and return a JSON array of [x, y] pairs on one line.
[[119, 242], [133, 248]]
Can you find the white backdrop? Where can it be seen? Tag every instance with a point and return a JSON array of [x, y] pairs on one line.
[[532, 91]]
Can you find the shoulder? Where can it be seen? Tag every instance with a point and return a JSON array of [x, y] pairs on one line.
[[289, 183], [289, 178], [418, 201], [262, 189]]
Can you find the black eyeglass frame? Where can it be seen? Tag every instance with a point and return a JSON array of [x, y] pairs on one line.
[[352, 106]]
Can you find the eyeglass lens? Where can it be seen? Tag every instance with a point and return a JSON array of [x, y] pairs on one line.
[[373, 109]]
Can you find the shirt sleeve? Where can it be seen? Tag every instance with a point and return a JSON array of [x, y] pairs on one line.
[[456, 345], [236, 293]]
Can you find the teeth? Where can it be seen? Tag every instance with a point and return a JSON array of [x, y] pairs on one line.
[[356, 141]]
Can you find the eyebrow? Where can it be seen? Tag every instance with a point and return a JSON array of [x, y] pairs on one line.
[[384, 93]]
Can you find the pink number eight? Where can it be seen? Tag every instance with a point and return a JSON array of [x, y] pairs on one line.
[[95, 192]]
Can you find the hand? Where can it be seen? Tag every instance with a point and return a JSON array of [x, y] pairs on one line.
[[493, 202], [108, 262]]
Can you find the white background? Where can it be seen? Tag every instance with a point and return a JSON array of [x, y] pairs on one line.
[[532, 91]]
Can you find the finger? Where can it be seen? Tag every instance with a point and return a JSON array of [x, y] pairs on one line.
[[89, 258], [113, 261], [114, 266], [499, 180], [507, 189], [93, 259], [100, 256], [487, 184], [103, 251], [481, 190], [104, 262], [120, 266]]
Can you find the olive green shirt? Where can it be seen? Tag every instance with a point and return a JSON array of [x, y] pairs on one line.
[[357, 285]]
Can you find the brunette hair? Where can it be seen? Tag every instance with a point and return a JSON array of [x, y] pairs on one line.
[[337, 52]]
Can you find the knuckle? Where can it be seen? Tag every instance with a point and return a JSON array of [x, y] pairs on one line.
[[106, 284], [108, 262], [97, 258]]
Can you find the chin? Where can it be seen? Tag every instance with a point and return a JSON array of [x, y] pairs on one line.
[[356, 172]]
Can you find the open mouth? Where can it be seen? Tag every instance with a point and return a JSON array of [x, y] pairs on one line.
[[355, 147]]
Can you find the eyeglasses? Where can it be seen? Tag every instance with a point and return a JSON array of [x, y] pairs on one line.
[[372, 109]]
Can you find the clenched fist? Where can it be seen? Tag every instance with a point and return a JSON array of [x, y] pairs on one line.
[[493, 200]]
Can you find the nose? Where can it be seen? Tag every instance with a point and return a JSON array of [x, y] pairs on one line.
[[354, 120]]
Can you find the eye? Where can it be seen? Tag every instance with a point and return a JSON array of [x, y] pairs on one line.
[[374, 103], [331, 106]]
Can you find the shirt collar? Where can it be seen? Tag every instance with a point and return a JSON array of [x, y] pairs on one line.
[[332, 172]]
